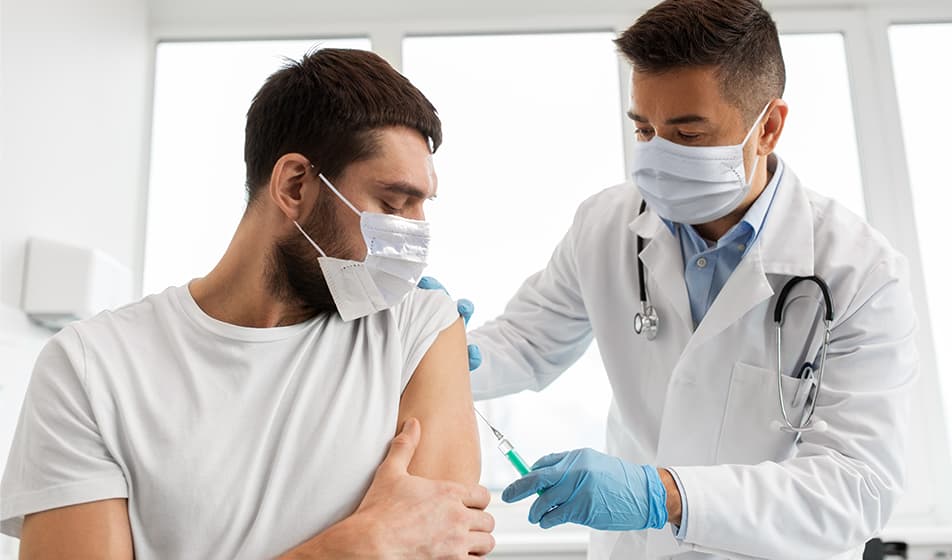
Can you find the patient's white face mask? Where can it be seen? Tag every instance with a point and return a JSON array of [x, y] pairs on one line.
[[396, 256], [692, 184]]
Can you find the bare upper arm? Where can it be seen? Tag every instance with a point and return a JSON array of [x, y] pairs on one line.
[[97, 530], [439, 395]]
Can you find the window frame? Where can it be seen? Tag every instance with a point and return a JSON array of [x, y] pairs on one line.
[[883, 169]]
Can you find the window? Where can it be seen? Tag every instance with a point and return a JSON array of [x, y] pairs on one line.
[[533, 126], [196, 187], [819, 139], [923, 91]]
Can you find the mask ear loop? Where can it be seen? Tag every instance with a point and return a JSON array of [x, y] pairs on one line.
[[756, 122], [309, 240], [337, 192], [746, 138], [342, 199]]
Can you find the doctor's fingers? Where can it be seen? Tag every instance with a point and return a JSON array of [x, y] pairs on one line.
[[430, 283], [465, 309], [549, 460], [557, 516], [537, 480], [475, 357], [552, 498]]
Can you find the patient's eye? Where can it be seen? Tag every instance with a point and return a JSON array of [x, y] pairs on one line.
[[644, 133]]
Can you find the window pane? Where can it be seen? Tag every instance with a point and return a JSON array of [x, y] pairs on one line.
[[819, 139], [196, 187], [923, 92], [533, 126]]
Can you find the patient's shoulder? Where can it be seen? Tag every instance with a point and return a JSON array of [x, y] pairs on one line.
[[420, 318], [425, 307]]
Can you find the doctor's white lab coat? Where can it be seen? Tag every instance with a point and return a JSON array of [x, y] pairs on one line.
[[701, 401]]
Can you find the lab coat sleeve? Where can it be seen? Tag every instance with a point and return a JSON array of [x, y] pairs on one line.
[[841, 486], [543, 330]]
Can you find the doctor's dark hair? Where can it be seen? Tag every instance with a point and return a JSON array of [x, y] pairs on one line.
[[737, 37], [328, 107]]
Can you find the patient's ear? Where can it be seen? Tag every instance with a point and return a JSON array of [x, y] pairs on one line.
[[292, 186]]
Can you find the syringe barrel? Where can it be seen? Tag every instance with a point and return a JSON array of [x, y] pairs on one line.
[[514, 458]]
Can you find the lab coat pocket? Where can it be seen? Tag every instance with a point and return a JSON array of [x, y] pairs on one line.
[[746, 435]]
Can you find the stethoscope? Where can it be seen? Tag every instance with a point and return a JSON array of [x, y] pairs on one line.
[[646, 324]]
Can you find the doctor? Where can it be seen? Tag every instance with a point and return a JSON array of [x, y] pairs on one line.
[[698, 465]]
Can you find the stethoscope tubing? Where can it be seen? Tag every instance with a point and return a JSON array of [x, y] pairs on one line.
[[647, 321]]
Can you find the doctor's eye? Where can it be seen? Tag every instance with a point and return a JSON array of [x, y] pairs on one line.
[[688, 136]]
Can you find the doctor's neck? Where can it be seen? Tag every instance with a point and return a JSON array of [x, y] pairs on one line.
[[713, 231]]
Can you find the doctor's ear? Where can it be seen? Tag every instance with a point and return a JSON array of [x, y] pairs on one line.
[[772, 123], [290, 178]]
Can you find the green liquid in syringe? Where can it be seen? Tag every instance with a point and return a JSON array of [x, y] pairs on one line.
[[517, 462]]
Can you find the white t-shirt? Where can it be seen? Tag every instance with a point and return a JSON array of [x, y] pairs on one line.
[[228, 441]]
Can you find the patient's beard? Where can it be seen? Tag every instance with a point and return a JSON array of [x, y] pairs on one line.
[[295, 275]]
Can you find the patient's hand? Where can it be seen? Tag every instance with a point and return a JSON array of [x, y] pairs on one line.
[[406, 516]]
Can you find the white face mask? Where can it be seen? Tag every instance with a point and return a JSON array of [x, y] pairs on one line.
[[396, 256], [692, 184]]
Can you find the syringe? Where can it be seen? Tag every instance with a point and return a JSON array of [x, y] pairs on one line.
[[507, 449]]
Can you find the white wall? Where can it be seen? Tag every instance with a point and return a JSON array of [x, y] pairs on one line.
[[75, 84], [76, 95]]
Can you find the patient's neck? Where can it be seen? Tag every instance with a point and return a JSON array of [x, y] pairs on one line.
[[238, 291]]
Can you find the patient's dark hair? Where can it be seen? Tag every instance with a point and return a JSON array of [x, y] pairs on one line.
[[737, 37], [328, 107]]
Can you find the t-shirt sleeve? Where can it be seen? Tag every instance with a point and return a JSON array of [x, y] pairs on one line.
[[422, 317], [58, 457]]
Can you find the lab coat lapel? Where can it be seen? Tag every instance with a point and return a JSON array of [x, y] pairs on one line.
[[663, 267], [787, 237], [746, 288], [784, 247]]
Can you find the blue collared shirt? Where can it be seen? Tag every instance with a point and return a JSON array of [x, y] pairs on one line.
[[708, 265]]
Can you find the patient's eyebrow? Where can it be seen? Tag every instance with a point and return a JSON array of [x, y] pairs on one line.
[[682, 119], [408, 189]]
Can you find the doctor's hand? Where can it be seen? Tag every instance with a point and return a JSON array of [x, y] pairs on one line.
[[465, 309], [593, 489], [407, 517]]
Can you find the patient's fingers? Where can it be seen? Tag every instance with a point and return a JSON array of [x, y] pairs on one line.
[[476, 496], [481, 521], [481, 544]]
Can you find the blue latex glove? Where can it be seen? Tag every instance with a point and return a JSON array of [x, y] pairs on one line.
[[465, 309], [592, 489]]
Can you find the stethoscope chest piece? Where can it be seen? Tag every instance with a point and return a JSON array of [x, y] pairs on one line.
[[810, 374], [646, 321]]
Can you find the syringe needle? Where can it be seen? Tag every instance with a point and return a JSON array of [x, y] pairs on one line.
[[507, 449], [496, 432]]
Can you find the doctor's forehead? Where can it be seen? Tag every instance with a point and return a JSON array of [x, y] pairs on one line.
[[682, 96]]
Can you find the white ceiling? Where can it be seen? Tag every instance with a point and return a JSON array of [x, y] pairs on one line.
[[247, 14]]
